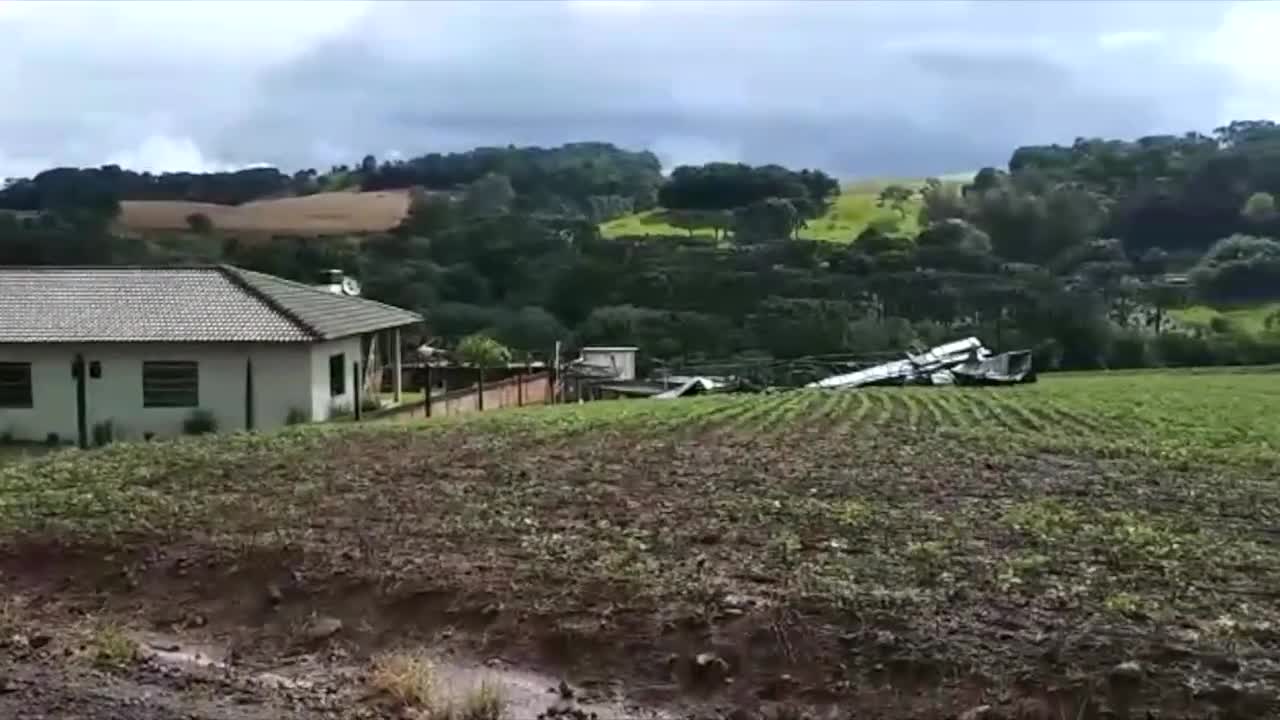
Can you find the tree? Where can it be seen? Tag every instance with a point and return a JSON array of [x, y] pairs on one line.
[[1238, 268], [940, 201], [429, 213], [955, 245], [1163, 296], [794, 327], [490, 195], [896, 197], [766, 220], [728, 186], [1154, 261], [988, 178], [200, 223], [1259, 208], [688, 220], [885, 248], [482, 352], [531, 329]]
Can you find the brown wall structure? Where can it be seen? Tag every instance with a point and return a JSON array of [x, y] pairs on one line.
[[510, 392]]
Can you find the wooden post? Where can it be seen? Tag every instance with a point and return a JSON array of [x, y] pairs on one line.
[[397, 383], [82, 420], [444, 390], [555, 374], [426, 387], [355, 373], [520, 388], [248, 394], [480, 389]]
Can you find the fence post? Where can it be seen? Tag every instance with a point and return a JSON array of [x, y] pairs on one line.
[[248, 394], [355, 389], [426, 388], [555, 374]]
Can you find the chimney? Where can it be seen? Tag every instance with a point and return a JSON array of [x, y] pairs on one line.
[[330, 281]]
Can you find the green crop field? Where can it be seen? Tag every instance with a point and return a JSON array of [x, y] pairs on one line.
[[848, 216], [1093, 541]]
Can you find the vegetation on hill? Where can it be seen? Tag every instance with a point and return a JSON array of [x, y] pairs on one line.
[[973, 545], [857, 207], [1260, 319], [1085, 252], [594, 179]]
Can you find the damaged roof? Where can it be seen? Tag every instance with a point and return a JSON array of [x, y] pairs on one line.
[[960, 361], [211, 303]]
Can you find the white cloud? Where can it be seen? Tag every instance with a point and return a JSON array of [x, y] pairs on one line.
[[857, 87], [160, 153], [1125, 39], [1245, 44], [13, 166], [691, 150]]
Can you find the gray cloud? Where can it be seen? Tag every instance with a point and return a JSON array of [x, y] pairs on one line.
[[857, 88]]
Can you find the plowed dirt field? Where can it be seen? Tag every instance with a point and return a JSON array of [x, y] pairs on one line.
[[1090, 546]]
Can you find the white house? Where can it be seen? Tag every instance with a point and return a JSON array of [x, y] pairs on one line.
[[146, 347]]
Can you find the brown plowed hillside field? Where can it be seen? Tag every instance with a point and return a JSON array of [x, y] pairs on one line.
[[322, 213]]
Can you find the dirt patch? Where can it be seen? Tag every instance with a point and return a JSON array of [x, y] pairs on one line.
[[335, 212], [901, 573]]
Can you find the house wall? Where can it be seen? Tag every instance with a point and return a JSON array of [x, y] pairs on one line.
[[284, 376], [322, 401]]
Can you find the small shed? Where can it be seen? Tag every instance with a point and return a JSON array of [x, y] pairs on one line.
[[620, 359]]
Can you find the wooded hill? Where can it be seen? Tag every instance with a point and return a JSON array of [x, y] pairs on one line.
[[1084, 252]]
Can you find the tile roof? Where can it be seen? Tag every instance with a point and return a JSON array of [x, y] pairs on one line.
[[178, 304]]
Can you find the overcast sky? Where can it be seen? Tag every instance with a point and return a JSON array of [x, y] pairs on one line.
[[856, 88]]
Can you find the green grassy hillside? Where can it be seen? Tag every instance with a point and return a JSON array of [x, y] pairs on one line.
[[1250, 319], [850, 214]]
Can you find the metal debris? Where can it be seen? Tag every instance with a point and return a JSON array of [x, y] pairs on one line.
[[692, 386], [963, 362]]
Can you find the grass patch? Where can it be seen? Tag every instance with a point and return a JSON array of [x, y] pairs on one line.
[[109, 647], [853, 210], [1246, 318], [407, 679], [486, 701], [17, 452]]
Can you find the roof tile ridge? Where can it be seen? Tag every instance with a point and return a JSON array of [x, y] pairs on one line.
[[233, 274]]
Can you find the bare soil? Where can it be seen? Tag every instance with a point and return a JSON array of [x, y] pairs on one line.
[[760, 567], [322, 213]]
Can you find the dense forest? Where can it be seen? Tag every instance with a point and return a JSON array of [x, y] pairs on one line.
[[1078, 251]]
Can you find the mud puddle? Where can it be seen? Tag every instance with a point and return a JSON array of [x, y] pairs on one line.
[[526, 694]]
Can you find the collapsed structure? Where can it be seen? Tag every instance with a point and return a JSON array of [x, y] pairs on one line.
[[604, 373], [962, 362]]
